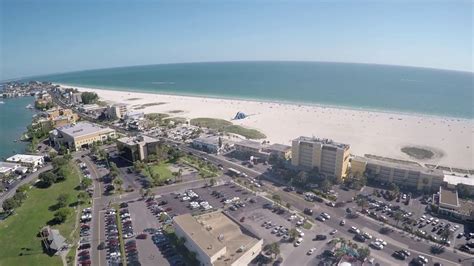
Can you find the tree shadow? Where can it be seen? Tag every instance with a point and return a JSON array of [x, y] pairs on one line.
[[74, 204], [42, 185], [54, 207]]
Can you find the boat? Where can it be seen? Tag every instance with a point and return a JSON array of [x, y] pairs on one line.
[[29, 106], [2, 102]]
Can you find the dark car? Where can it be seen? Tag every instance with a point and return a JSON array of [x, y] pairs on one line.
[[308, 211], [320, 237], [399, 255]]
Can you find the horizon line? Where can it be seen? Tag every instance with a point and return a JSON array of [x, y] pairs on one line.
[[230, 61]]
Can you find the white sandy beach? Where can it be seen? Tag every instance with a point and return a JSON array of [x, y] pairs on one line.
[[368, 132]]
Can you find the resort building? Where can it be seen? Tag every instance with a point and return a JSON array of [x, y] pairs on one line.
[[279, 151], [208, 144], [450, 205], [30, 161], [117, 111], [75, 97], [404, 174], [6, 169], [59, 117], [248, 147], [80, 135], [137, 148], [329, 157], [217, 239]]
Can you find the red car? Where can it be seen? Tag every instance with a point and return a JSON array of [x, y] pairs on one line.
[[168, 209], [142, 236]]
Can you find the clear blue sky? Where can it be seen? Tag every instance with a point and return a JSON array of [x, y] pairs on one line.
[[45, 36]]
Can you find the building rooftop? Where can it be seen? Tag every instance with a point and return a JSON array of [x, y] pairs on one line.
[[448, 197], [278, 147], [83, 129], [454, 180], [234, 237], [5, 167], [141, 139], [400, 164], [249, 144], [24, 158], [210, 140], [202, 237], [326, 142]]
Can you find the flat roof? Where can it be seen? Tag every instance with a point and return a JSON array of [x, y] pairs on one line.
[[278, 147], [202, 237], [325, 142], [454, 180], [211, 140], [5, 167], [250, 144], [448, 197], [394, 163], [230, 234], [24, 158], [141, 139], [83, 128]]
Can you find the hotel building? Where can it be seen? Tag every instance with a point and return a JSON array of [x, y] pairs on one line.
[[402, 173], [329, 157], [80, 135]]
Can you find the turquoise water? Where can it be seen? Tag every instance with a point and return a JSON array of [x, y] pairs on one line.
[[14, 118], [388, 88]]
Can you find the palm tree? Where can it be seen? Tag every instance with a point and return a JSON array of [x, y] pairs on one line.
[[362, 202], [446, 235], [398, 215]]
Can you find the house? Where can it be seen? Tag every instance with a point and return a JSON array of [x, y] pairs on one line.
[[30, 161]]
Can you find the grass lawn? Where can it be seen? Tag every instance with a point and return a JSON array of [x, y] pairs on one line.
[[18, 233], [226, 126], [205, 169], [162, 169]]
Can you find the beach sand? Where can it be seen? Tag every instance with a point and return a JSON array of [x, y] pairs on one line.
[[368, 132]]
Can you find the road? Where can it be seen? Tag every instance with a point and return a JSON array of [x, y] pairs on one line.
[[396, 240], [31, 177]]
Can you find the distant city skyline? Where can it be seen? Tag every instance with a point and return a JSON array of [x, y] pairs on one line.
[[43, 37]]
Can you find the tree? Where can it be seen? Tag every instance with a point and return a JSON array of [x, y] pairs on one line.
[[288, 205], [19, 197], [273, 248], [85, 183], [23, 188], [220, 142], [293, 234], [63, 199], [276, 198], [362, 203], [82, 196], [363, 252], [118, 182], [302, 177], [61, 215], [398, 215], [325, 185], [446, 235], [213, 181], [10, 204], [89, 97], [48, 178]]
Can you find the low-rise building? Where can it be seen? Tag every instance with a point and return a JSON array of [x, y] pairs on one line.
[[452, 181], [80, 135], [402, 173], [7, 169], [59, 117], [450, 205], [248, 147], [217, 239], [210, 144], [138, 147], [279, 151], [30, 161]]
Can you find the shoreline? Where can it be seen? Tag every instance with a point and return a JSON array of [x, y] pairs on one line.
[[321, 105], [368, 132]]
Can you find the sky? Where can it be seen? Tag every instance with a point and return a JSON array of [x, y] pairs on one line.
[[46, 36]]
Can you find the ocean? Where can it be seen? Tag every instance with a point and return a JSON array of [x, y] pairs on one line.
[[14, 118], [379, 87]]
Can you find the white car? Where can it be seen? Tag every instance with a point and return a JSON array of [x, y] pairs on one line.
[[311, 251], [325, 215], [333, 232], [354, 230], [298, 242], [320, 218], [376, 245], [423, 258], [381, 241], [366, 235]]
